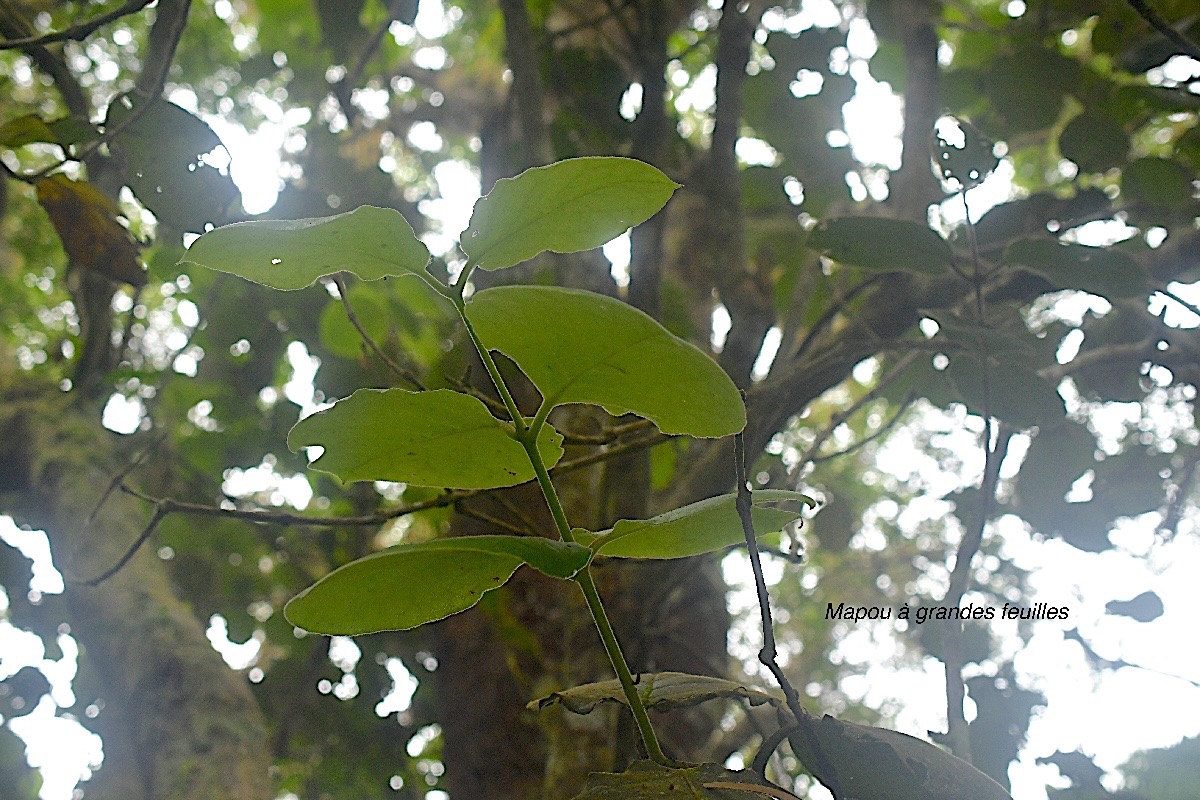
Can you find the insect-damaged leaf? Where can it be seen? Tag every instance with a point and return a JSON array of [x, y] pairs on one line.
[[697, 528], [164, 148], [436, 438], [579, 347], [412, 584], [571, 205], [291, 254]]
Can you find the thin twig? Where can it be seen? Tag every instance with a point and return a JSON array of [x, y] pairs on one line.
[[768, 654], [406, 375], [893, 374], [164, 506], [606, 436], [830, 314], [1156, 21], [516, 511], [133, 464], [1192, 307], [159, 515], [76, 33], [163, 40], [883, 429], [343, 90], [462, 508]]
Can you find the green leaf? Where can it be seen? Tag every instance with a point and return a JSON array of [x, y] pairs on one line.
[[339, 335], [412, 584], [163, 149], [291, 254], [1099, 270], [1157, 182], [1095, 141], [969, 164], [569, 206], [697, 528], [26, 129], [579, 347], [880, 764], [1015, 392], [661, 690], [877, 243], [437, 438]]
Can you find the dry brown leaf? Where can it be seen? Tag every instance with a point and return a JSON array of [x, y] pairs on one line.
[[86, 222]]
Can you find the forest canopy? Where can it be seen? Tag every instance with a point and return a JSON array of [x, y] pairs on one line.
[[934, 262]]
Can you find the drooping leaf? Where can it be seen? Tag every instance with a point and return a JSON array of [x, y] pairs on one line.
[[164, 149], [86, 222], [436, 438], [878, 243], [1098, 270], [412, 584], [697, 528], [1146, 607], [568, 206], [661, 690], [869, 763], [579, 347], [291, 254]]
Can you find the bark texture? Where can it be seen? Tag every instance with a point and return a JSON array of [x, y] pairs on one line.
[[177, 723]]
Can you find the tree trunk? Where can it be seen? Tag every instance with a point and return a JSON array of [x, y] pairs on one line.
[[177, 723]]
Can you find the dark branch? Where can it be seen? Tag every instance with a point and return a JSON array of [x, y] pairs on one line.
[[1156, 21], [405, 375], [76, 33]]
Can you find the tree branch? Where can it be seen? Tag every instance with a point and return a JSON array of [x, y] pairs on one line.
[[1156, 21], [77, 32]]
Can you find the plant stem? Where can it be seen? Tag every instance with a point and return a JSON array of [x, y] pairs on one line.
[[526, 435], [493, 371], [613, 647]]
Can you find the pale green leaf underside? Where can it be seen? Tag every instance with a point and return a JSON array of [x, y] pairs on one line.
[[572, 205], [290, 254], [878, 243], [436, 438], [580, 347], [694, 529], [661, 690], [412, 584]]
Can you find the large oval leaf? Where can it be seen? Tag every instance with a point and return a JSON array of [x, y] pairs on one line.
[[579, 347], [1099, 270], [569, 206], [878, 243], [437, 438], [412, 584], [291, 254], [697, 528], [876, 763]]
